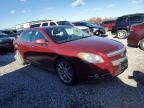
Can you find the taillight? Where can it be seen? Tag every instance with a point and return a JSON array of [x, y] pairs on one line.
[[136, 28]]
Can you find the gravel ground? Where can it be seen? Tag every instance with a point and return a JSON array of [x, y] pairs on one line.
[[32, 87]]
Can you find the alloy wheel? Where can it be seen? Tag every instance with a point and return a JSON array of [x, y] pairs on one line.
[[65, 72]]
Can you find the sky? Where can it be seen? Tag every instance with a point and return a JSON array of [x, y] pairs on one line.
[[19, 11]]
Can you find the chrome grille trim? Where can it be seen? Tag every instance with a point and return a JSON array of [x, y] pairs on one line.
[[116, 52], [117, 62]]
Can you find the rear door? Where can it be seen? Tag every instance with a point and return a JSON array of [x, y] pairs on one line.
[[24, 44], [40, 53]]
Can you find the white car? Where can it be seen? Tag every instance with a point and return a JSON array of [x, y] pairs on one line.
[[85, 29], [57, 23]]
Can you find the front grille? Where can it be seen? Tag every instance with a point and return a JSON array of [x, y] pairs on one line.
[[119, 61], [117, 57]]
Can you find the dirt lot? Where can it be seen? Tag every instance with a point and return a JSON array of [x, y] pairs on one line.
[[29, 86]]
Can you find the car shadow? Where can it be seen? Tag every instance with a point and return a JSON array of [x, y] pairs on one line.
[[6, 51], [33, 87], [132, 46], [103, 35], [138, 77], [6, 58]]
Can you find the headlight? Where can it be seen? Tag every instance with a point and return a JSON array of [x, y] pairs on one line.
[[90, 58], [0, 40]]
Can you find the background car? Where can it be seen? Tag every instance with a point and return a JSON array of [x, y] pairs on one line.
[[95, 29], [124, 23], [136, 37], [6, 43], [57, 23], [108, 25], [85, 29], [11, 33], [71, 53]]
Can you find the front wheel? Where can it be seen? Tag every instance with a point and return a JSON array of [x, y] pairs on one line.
[[19, 58], [65, 72], [97, 33], [121, 34], [141, 44]]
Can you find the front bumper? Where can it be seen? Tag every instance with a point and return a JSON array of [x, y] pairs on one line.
[[106, 70], [97, 71]]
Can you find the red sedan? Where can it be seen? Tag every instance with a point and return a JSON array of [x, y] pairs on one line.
[[136, 36], [108, 24], [71, 53]]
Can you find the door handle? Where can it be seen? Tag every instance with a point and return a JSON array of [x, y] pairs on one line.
[[32, 46]]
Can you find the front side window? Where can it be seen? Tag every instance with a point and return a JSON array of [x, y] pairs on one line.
[[121, 20], [26, 36], [37, 35], [65, 34], [52, 24], [76, 24]]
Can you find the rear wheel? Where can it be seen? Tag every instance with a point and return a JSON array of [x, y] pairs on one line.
[[65, 72], [19, 58], [141, 44], [121, 34]]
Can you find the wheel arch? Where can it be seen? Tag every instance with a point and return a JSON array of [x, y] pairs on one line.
[[122, 29], [140, 41]]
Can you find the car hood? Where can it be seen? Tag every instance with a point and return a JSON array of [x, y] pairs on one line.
[[94, 44]]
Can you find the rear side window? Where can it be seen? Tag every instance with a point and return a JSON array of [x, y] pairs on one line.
[[136, 18], [37, 35], [26, 36], [45, 24], [35, 25]]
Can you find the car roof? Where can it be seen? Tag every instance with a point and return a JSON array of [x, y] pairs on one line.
[[44, 28], [79, 21], [141, 14]]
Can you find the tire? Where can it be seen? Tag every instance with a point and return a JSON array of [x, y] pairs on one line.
[[141, 44], [19, 58], [97, 33], [121, 34], [65, 72]]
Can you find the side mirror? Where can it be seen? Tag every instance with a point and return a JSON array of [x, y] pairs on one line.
[[41, 42]]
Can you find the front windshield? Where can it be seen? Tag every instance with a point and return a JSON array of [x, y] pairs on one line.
[[65, 34]]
